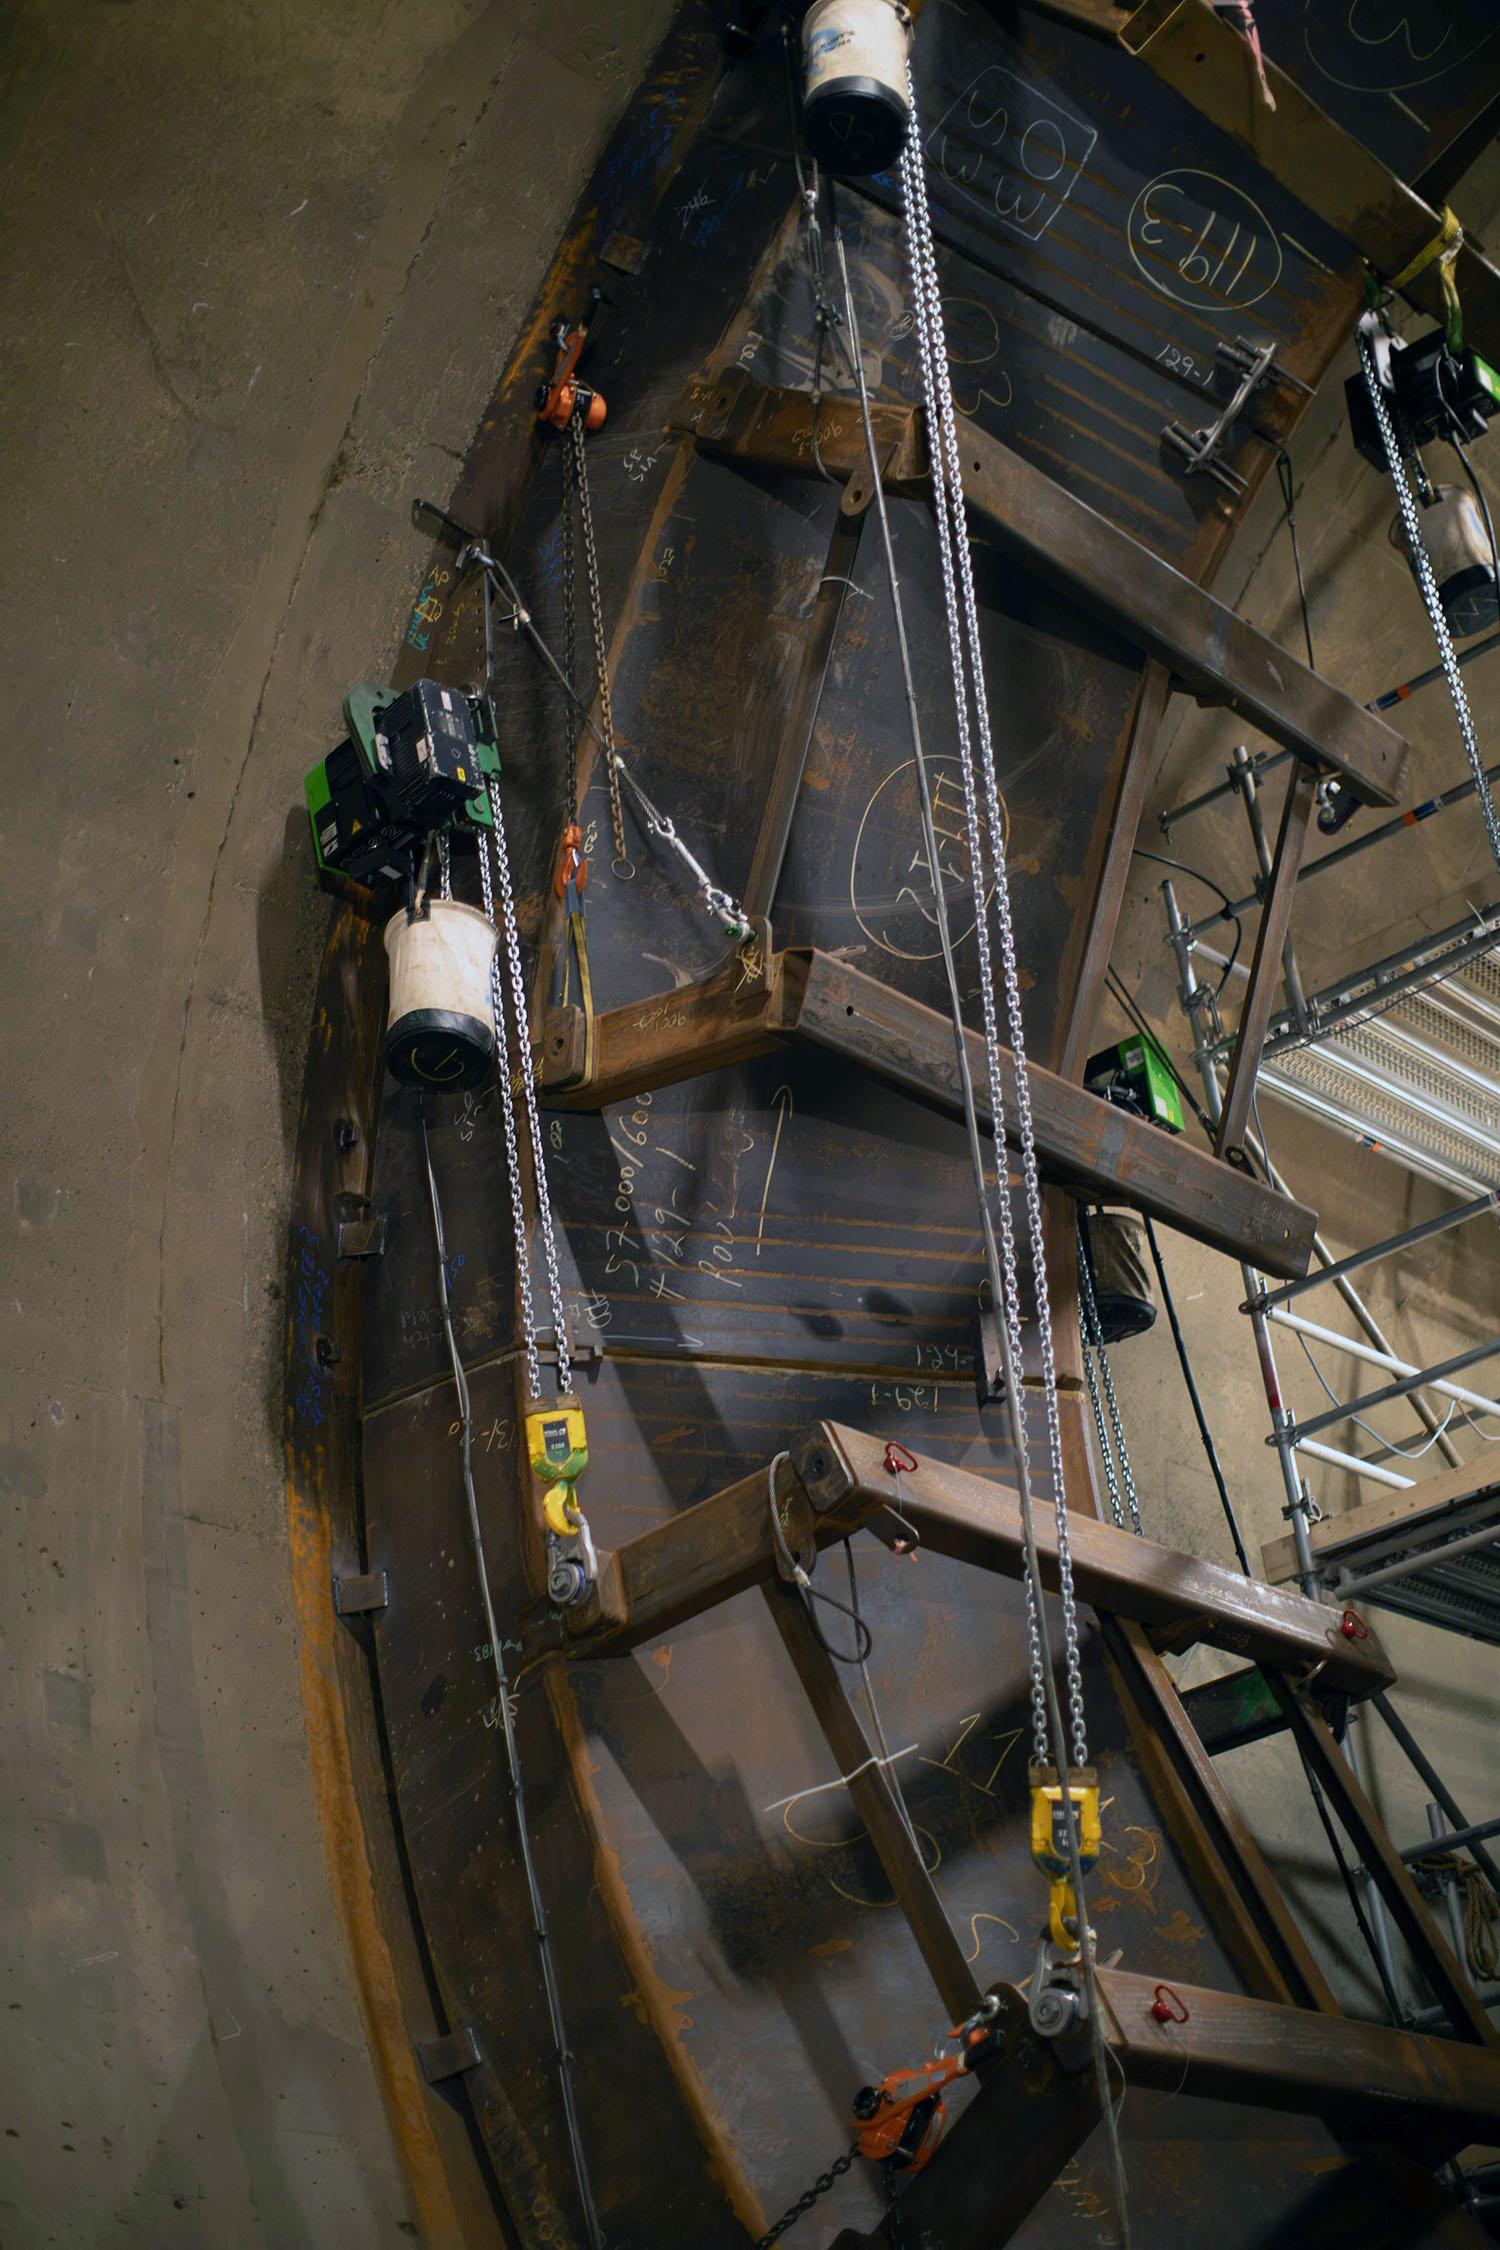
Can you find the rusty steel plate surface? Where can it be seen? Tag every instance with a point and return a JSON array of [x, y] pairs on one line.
[[784, 1240]]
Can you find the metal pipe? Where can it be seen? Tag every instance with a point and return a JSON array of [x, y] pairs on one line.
[[1407, 1566], [1329, 1008], [1264, 762], [1354, 1464], [1388, 1360], [1435, 1782], [1355, 845], [1402, 1387], [1490, 1201], [1447, 1118], [1482, 1082], [1296, 1095], [1367, 1322], [1453, 1839]]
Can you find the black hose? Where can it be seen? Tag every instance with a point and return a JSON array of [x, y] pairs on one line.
[[1192, 1390]]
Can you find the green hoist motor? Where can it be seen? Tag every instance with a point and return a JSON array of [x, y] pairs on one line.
[[410, 764], [1136, 1075]]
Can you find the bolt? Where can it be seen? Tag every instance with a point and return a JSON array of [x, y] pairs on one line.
[[345, 1135], [328, 1352]]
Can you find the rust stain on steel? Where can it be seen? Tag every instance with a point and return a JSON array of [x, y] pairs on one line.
[[657, 2002], [347, 971], [347, 1857]]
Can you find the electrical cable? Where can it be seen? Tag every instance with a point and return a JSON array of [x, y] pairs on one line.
[[886, 1761], [1139, 851], [563, 2056], [1387, 1445], [1289, 518], [1210, 1449], [864, 1639], [968, 670]]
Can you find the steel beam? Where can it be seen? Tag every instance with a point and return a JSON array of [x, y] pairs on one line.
[[878, 1804], [1175, 1596], [1389, 2088], [1215, 656], [1360, 2077], [1082, 1142], [706, 1554]]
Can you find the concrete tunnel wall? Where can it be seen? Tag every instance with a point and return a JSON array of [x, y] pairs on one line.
[[261, 269]]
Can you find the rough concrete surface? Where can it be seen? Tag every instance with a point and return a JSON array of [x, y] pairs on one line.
[[261, 268]]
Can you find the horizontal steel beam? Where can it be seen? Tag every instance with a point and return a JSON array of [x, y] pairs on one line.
[[1082, 1142], [838, 1483], [1217, 657], [1360, 2077], [1174, 1596]]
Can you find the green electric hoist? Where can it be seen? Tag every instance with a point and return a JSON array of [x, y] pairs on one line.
[[410, 766]]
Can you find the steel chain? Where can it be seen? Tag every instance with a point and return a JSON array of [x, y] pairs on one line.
[[623, 866], [1411, 523], [511, 944], [965, 653], [805, 2202], [911, 183], [512, 1151], [1096, 1350]]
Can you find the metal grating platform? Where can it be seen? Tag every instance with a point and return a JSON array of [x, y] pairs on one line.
[[1431, 1552], [1419, 1080]]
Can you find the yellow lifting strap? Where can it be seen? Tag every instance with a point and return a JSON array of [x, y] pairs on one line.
[[1443, 250], [576, 947]]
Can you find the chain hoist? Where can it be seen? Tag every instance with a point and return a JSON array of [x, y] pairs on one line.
[[1064, 1790], [556, 1439], [1371, 328], [962, 613], [1097, 1369], [573, 437]]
